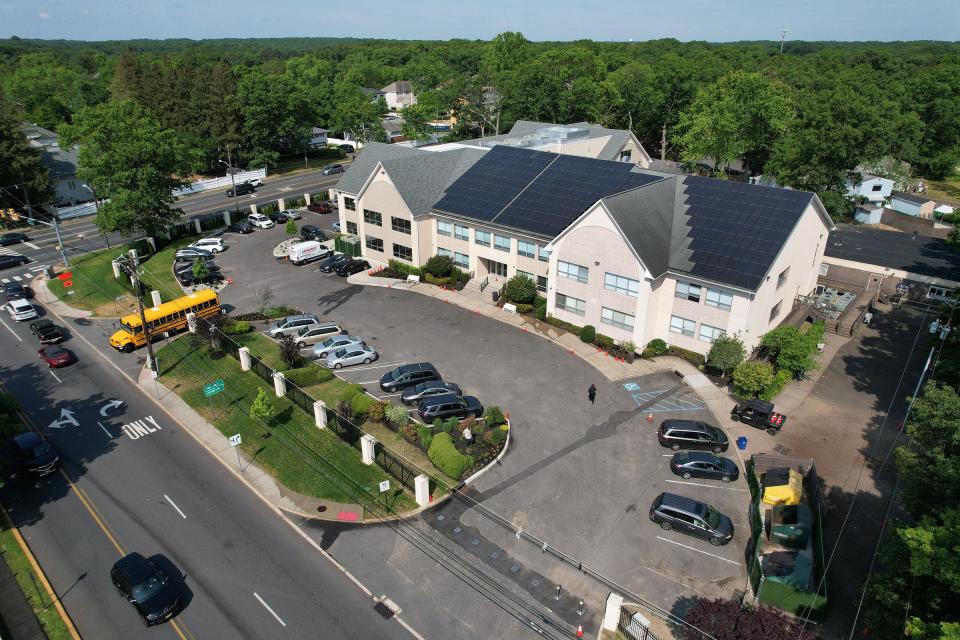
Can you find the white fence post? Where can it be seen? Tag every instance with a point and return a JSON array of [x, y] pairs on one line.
[[244, 358], [279, 384], [116, 270], [253, 208], [152, 243], [281, 205], [226, 218], [155, 296], [421, 486], [306, 197], [367, 443], [196, 225], [320, 414], [192, 322]]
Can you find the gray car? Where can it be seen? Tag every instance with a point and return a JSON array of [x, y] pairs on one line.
[[292, 325], [322, 349], [354, 354], [424, 390]]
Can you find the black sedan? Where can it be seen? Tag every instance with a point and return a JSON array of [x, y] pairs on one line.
[[16, 291], [312, 232], [12, 238], [12, 260], [331, 264], [242, 189], [240, 227], [427, 389], [352, 266], [33, 454], [701, 464], [146, 587], [46, 331], [279, 217]]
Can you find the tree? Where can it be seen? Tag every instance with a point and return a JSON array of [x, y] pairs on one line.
[[275, 116], [508, 50], [48, 92], [290, 352], [128, 157], [729, 620], [752, 376], [416, 122], [19, 165], [261, 409], [356, 115], [199, 269], [726, 353], [264, 297], [520, 289], [291, 228], [439, 266]]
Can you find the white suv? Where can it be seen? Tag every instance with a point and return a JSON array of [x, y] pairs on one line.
[[261, 221], [21, 310], [214, 245]]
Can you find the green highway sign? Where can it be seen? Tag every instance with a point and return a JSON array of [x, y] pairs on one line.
[[213, 388]]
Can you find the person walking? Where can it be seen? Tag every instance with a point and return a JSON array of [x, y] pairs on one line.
[[592, 393]]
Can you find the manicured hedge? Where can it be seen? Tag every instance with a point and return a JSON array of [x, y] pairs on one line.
[[237, 327], [360, 404], [444, 455], [308, 375]]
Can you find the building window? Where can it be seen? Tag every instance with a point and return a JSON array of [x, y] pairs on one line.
[[573, 271], [374, 244], [625, 155], [619, 284], [399, 224], [719, 299], [542, 283], [877, 187], [526, 275], [402, 252], [824, 267], [687, 291], [461, 232], [616, 318], [775, 311], [444, 252], [526, 249], [501, 243], [462, 260], [709, 334], [349, 204], [782, 277], [482, 237], [573, 305], [543, 254], [444, 228], [352, 228], [682, 325], [372, 217], [938, 292]]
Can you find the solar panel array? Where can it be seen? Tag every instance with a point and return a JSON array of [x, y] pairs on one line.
[[493, 181], [737, 230]]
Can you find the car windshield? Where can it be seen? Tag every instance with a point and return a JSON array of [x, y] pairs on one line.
[[712, 517], [340, 353], [148, 588], [54, 352]]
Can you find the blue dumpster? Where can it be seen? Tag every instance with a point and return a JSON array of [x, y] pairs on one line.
[[742, 443]]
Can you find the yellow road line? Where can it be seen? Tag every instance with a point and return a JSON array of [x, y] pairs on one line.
[[93, 513]]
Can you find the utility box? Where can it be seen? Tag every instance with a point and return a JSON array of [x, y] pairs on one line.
[[348, 245]]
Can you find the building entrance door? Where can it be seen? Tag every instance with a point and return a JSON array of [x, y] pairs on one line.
[[495, 268]]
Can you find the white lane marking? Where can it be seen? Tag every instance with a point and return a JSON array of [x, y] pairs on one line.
[[39, 267], [376, 366], [390, 395], [55, 376], [11, 330], [109, 435], [712, 555], [17, 278], [31, 245], [267, 607], [709, 486], [174, 505], [667, 455]]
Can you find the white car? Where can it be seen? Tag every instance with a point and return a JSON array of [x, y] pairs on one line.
[[260, 221], [294, 214], [21, 310], [336, 227], [351, 354], [214, 245], [256, 182]]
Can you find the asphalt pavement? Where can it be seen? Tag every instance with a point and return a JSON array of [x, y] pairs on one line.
[[132, 480]]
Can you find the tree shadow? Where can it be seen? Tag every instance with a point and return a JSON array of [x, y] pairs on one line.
[[335, 299]]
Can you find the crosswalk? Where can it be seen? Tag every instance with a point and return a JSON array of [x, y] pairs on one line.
[[24, 277]]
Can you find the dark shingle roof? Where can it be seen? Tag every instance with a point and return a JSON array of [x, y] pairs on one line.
[[421, 178], [357, 172], [909, 197], [895, 249]]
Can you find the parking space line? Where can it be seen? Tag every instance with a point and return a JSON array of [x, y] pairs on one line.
[[390, 395], [267, 607], [712, 555], [11, 330], [367, 382], [710, 486], [55, 376], [376, 366]]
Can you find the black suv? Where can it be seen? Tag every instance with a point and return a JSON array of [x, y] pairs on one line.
[[690, 434], [146, 587], [34, 454], [46, 331], [352, 266], [242, 189], [278, 217], [16, 291], [12, 260], [694, 518], [449, 406], [332, 263], [408, 375], [312, 232]]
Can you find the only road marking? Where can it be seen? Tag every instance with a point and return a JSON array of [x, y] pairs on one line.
[[139, 428]]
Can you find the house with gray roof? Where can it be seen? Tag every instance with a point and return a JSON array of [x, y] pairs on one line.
[[61, 163], [399, 94]]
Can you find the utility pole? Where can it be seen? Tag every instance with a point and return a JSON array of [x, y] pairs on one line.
[[138, 293], [783, 36], [55, 225], [233, 181]]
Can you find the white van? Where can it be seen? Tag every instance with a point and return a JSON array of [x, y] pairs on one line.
[[214, 245], [304, 252], [260, 221]]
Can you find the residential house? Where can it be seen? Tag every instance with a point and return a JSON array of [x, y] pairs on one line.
[[67, 188], [874, 188], [399, 94], [912, 204], [636, 253], [868, 213], [318, 137]]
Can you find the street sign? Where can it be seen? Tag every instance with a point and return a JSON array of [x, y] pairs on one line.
[[235, 440], [213, 388], [384, 486]]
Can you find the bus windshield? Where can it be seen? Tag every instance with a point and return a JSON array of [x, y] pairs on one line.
[[129, 329]]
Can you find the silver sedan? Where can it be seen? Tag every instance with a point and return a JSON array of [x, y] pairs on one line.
[[322, 349], [354, 354]]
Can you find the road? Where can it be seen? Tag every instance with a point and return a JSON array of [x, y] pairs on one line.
[[243, 571]]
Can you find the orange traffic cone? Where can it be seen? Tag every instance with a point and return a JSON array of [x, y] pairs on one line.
[[579, 630], [650, 418]]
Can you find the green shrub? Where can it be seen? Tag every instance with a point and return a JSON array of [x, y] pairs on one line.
[[657, 347], [780, 380], [444, 455], [440, 282], [437, 425], [540, 308], [438, 266], [493, 417], [520, 290], [378, 411], [690, 356], [563, 324], [267, 209], [426, 436], [498, 436], [450, 424], [524, 308], [347, 394], [603, 341], [360, 405], [397, 416], [726, 353], [752, 377], [588, 334], [458, 278], [628, 346], [401, 269], [308, 375], [237, 327]]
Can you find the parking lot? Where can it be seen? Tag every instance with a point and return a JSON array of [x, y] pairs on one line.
[[578, 475]]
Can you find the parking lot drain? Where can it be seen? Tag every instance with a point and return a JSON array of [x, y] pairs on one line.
[[457, 530], [494, 555], [515, 568], [441, 518], [383, 610], [535, 582], [475, 542]]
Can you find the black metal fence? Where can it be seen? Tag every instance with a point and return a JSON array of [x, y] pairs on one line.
[[262, 370], [394, 466], [633, 627]]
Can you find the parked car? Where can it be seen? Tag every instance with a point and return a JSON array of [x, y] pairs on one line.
[[312, 232], [691, 434], [187, 279], [315, 333], [760, 414], [256, 182], [54, 355], [350, 355], [21, 310], [334, 343], [424, 390], [260, 221], [189, 254], [33, 454], [15, 237], [349, 148], [16, 291], [331, 169], [319, 207], [46, 331], [242, 189], [279, 217], [691, 517], [449, 406], [213, 245], [294, 214], [12, 260], [408, 375], [352, 266], [332, 263], [700, 464], [146, 587], [291, 325], [188, 267], [242, 228]]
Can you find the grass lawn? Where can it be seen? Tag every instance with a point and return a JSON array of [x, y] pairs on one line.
[[262, 347], [95, 289], [946, 190], [185, 369]]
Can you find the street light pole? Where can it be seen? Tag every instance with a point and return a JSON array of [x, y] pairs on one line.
[[55, 225], [233, 182]]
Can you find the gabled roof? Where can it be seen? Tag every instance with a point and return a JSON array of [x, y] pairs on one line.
[[896, 250], [909, 197], [400, 86], [357, 172], [421, 178], [62, 163]]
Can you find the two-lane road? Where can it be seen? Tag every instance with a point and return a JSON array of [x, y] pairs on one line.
[[133, 480]]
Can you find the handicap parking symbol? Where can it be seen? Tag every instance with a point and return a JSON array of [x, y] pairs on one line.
[[631, 386]]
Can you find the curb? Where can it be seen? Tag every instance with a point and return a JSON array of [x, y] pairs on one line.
[[496, 460]]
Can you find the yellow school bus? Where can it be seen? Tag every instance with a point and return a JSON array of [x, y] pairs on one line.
[[169, 316]]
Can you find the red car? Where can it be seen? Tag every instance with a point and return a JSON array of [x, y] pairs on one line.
[[319, 207], [55, 355]]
